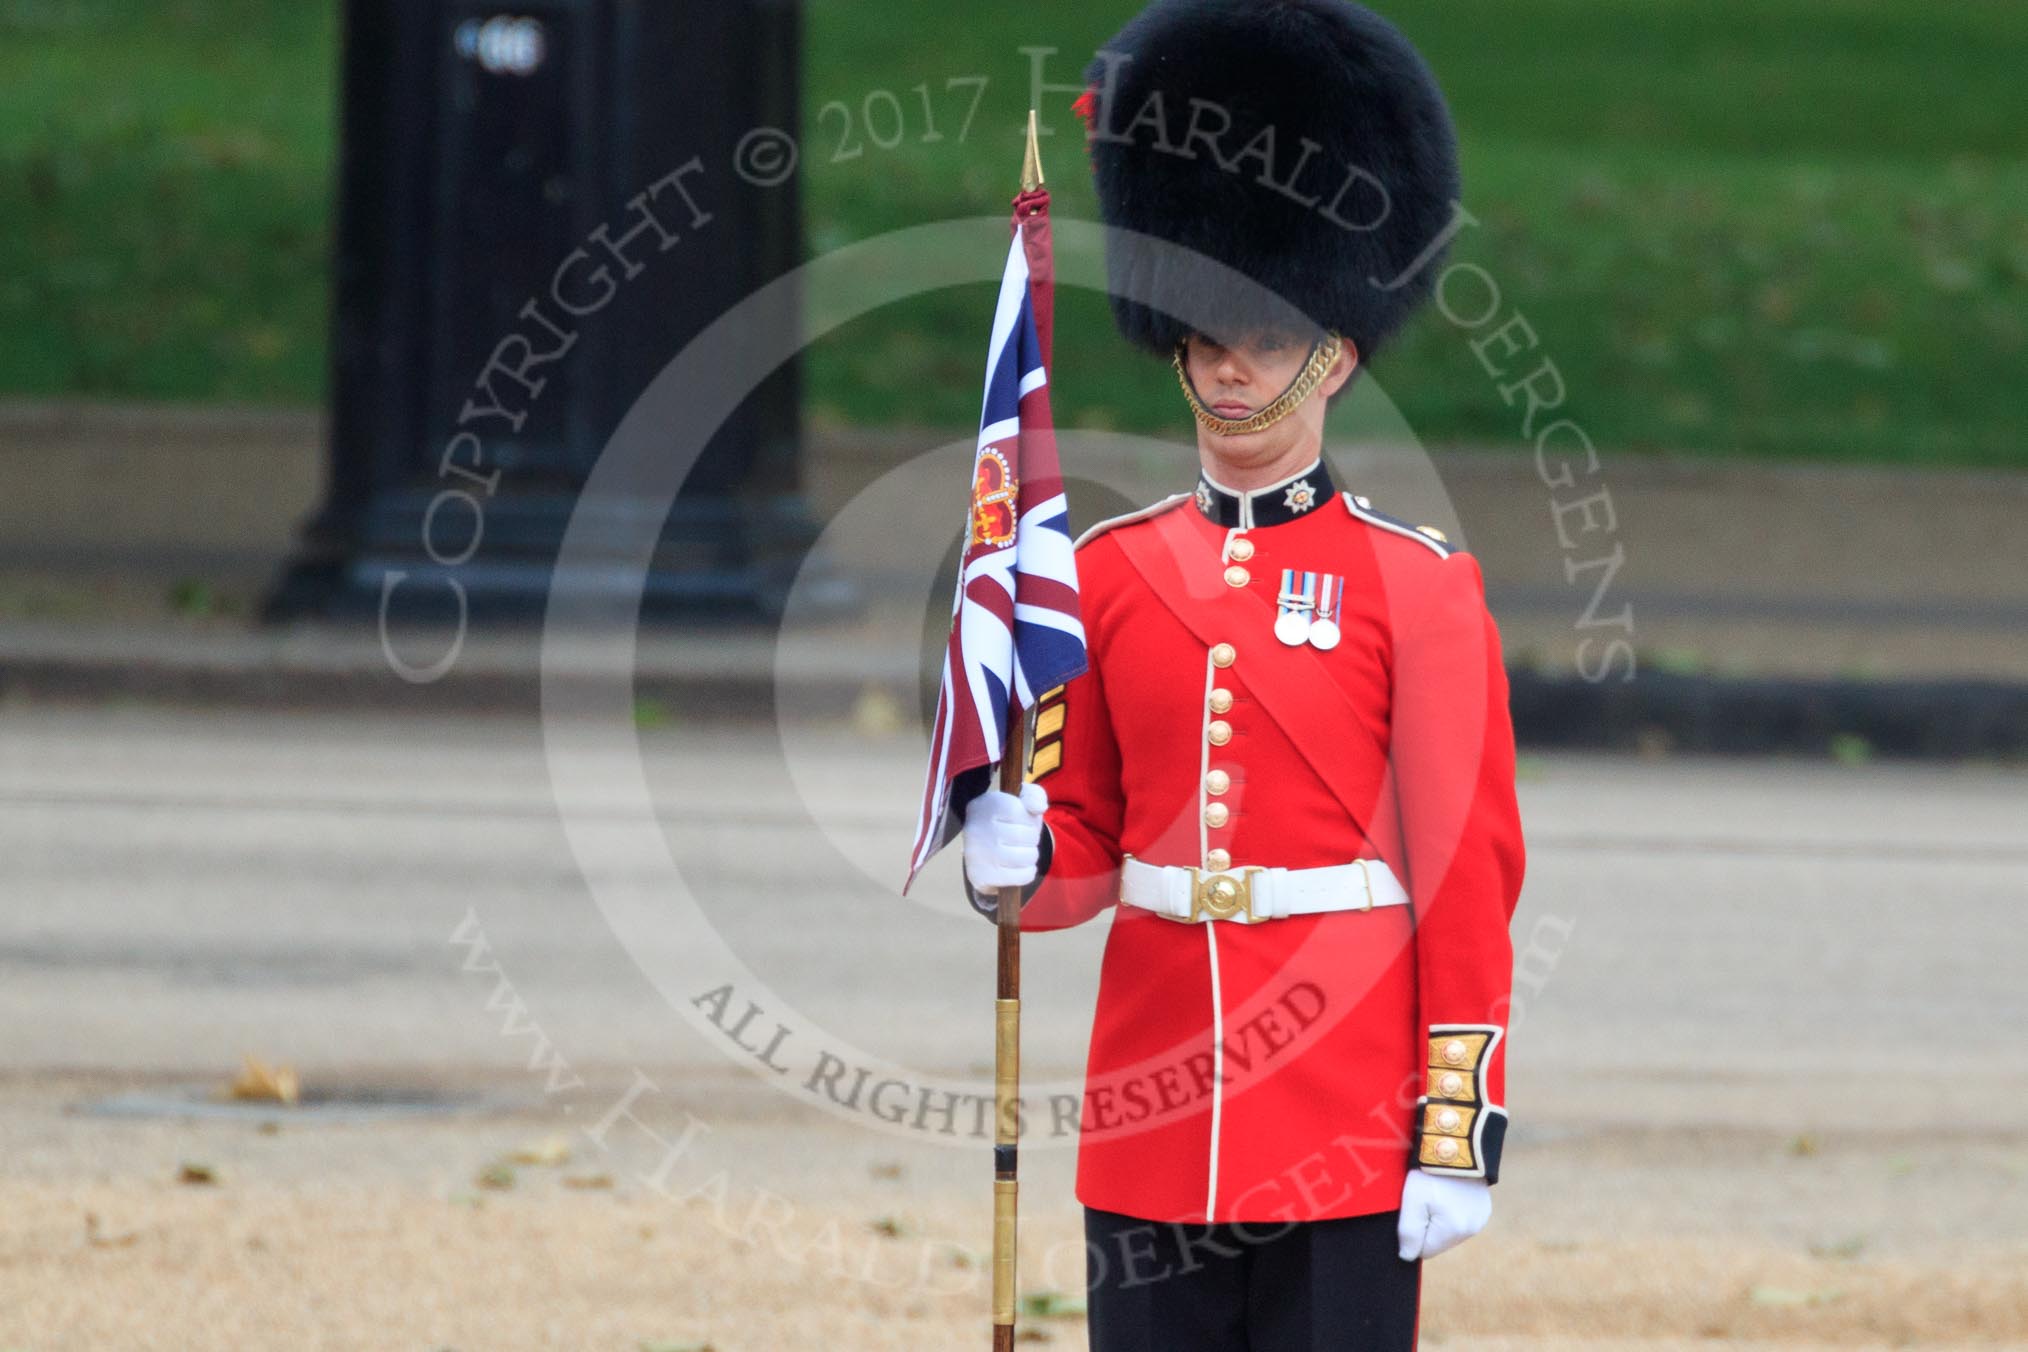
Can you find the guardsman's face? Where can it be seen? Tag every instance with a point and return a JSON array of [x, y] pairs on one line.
[[1248, 370], [1238, 377]]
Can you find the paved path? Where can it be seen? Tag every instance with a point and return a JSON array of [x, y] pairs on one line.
[[184, 884]]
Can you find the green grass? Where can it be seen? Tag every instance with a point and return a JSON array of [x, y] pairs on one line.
[[164, 176], [1790, 228]]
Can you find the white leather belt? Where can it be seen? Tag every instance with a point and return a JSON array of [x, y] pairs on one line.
[[1251, 893]]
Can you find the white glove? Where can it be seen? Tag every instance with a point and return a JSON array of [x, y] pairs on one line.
[[1439, 1212], [1003, 837]]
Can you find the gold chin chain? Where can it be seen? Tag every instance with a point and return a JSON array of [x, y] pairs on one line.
[[1322, 357]]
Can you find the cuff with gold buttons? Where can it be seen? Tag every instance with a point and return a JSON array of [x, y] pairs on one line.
[[1457, 1132], [987, 902]]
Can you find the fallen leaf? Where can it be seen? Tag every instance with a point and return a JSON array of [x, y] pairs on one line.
[[877, 713], [550, 1150], [588, 1182], [498, 1175], [889, 1226], [192, 596], [259, 1082], [1052, 1305], [96, 1236], [200, 1174], [1848, 1248]]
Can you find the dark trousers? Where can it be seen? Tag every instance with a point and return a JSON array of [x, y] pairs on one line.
[[1309, 1286]]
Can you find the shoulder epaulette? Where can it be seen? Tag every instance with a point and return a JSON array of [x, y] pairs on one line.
[[1429, 536], [1128, 518]]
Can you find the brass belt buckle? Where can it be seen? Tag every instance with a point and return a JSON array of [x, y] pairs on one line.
[[1221, 896]]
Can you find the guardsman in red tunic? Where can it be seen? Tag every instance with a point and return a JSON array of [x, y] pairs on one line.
[[1288, 775]]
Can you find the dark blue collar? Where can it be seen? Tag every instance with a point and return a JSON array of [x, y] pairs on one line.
[[1298, 495]]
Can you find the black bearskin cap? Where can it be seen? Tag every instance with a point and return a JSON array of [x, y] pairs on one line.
[[1330, 230]]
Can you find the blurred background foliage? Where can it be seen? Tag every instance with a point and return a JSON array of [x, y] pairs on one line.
[[1790, 228]]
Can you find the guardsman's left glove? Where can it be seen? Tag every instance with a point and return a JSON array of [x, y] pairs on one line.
[[1439, 1213]]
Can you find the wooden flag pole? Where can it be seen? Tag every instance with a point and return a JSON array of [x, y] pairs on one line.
[[1007, 1067], [1007, 1001]]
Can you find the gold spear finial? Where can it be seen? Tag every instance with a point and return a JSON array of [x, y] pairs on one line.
[[1031, 164]]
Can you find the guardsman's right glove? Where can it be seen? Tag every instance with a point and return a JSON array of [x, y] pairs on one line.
[[1006, 844]]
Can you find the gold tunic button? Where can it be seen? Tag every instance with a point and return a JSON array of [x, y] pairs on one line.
[[1242, 549], [1221, 700], [1218, 781], [1217, 814], [1219, 731], [1448, 1119], [1224, 655], [1455, 1052], [1447, 1149], [1237, 576], [1451, 1084], [1218, 860]]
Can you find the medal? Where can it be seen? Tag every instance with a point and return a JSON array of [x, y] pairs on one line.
[[1292, 625], [1324, 629]]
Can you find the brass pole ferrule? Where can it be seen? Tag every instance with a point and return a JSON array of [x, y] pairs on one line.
[[1006, 1070], [1004, 1190]]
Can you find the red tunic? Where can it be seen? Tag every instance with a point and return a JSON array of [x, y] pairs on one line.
[[1289, 1069]]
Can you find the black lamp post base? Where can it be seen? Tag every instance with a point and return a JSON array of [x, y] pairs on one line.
[[715, 559]]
